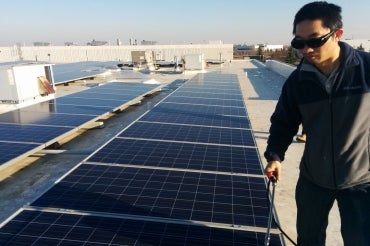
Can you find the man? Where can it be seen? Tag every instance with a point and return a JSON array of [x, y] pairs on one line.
[[329, 93]]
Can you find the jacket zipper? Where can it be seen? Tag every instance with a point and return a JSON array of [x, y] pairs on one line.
[[332, 139]]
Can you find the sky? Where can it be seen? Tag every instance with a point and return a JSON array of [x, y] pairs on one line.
[[164, 21]]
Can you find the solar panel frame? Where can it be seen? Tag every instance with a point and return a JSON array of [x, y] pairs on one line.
[[51, 228], [186, 156], [12, 150], [31, 133], [45, 124], [195, 118], [67, 72], [189, 133], [163, 178], [20, 117], [206, 101], [161, 193], [206, 94]]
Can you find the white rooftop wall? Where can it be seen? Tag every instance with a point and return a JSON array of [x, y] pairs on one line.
[[281, 68], [65, 54], [355, 43]]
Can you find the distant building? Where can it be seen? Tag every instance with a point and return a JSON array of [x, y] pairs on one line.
[[243, 47], [97, 43], [41, 44], [147, 42], [272, 47], [70, 44], [215, 42]]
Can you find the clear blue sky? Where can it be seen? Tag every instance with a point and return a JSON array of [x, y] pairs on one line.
[[164, 21]]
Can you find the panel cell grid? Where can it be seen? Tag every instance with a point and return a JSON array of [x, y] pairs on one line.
[[161, 193], [78, 109], [203, 134], [31, 133], [206, 101], [207, 94], [53, 108], [45, 228], [198, 110], [43, 118], [9, 151], [229, 159], [206, 115]]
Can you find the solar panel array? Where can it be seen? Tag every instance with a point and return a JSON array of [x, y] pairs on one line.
[[185, 173], [67, 72], [29, 129]]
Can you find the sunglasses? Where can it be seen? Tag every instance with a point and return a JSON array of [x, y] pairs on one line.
[[312, 43]]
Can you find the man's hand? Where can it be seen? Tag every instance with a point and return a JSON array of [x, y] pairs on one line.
[[275, 168]]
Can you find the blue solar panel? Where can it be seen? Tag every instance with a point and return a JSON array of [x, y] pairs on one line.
[[206, 101], [209, 87], [74, 100], [51, 119], [78, 70], [118, 88], [182, 115], [200, 109], [191, 159], [180, 155], [77, 109], [216, 198], [206, 94], [10, 150], [126, 87], [46, 228], [31, 133], [203, 134], [97, 96]]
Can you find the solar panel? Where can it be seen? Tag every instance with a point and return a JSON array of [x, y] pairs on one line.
[[187, 172], [42, 118], [206, 94], [9, 151], [206, 101], [104, 96], [120, 88], [47, 228], [47, 121], [185, 116], [200, 109], [217, 198], [67, 72], [74, 100], [96, 98], [30, 133], [189, 133], [189, 156], [77, 109]]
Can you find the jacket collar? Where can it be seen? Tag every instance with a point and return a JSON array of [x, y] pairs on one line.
[[348, 55]]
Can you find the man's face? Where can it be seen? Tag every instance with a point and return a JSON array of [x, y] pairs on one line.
[[309, 29]]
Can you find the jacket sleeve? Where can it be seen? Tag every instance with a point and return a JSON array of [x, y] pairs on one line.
[[285, 122]]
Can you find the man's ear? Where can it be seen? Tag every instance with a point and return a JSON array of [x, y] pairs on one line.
[[338, 34]]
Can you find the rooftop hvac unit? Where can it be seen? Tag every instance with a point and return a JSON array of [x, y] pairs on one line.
[[194, 62], [20, 83]]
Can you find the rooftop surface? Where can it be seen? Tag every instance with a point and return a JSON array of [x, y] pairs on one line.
[[260, 88]]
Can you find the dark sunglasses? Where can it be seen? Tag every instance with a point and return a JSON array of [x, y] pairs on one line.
[[312, 43]]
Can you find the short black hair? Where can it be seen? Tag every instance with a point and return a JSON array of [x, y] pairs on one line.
[[329, 13]]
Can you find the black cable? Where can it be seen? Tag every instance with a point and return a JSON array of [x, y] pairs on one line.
[[274, 219]]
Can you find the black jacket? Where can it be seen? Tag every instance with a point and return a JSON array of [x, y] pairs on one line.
[[337, 149]]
